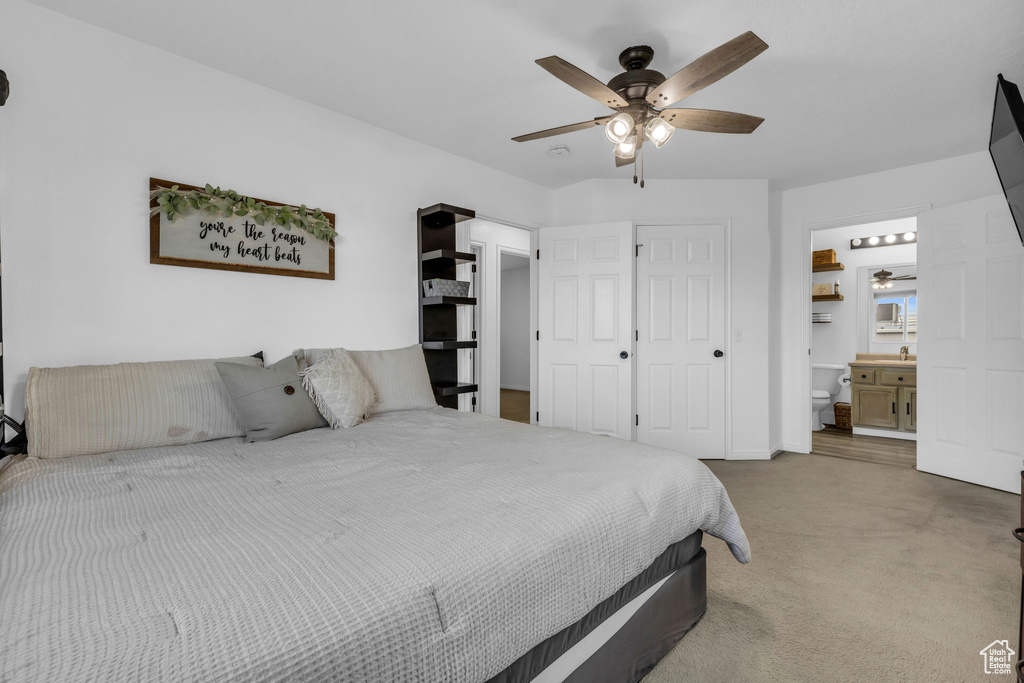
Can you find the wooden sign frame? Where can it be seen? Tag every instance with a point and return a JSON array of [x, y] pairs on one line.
[[155, 256]]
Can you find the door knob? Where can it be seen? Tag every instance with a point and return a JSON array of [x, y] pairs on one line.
[[623, 355], [718, 353]]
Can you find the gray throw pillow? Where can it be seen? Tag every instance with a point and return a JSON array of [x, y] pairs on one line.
[[270, 402]]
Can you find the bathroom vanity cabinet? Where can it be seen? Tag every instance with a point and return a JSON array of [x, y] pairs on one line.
[[884, 397]]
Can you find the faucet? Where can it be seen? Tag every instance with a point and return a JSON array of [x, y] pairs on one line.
[[904, 350]]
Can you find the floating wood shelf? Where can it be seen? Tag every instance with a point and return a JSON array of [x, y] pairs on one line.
[[827, 297], [826, 267], [449, 301], [453, 388], [449, 255], [447, 345]]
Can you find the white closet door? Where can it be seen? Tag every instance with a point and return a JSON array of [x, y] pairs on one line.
[[585, 325], [970, 372], [681, 301]]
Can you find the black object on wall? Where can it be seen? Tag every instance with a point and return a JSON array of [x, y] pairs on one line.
[[5, 88], [438, 258]]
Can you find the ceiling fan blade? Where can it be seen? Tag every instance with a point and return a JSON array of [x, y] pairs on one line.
[[563, 129], [704, 71], [904, 277], [712, 121], [582, 81]]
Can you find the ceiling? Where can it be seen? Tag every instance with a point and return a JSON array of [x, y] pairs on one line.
[[846, 87]]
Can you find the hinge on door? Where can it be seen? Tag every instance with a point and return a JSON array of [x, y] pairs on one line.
[[474, 268], [473, 403], [538, 254], [538, 416], [638, 250], [538, 335], [638, 335], [474, 337], [637, 420]]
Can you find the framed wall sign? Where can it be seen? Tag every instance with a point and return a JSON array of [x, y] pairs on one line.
[[208, 228]]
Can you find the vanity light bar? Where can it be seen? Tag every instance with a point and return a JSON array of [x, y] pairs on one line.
[[883, 240]]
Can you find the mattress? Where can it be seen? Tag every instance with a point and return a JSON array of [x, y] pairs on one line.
[[426, 545], [558, 657]]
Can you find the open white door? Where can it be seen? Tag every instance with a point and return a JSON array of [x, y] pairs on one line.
[[585, 327], [680, 363], [971, 344]]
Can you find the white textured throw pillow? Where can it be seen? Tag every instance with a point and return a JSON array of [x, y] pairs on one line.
[[338, 388]]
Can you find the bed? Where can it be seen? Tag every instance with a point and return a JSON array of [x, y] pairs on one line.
[[422, 545]]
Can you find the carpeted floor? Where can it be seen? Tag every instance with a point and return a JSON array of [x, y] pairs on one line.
[[860, 572]]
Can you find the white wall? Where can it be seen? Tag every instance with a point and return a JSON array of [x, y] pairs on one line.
[[745, 204], [494, 239], [878, 196], [515, 329], [839, 341], [93, 115]]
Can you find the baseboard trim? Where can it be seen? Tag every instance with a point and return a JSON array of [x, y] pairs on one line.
[[885, 433], [526, 389], [749, 455], [793, 448]]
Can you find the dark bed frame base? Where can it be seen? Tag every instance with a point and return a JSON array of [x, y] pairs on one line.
[[646, 637]]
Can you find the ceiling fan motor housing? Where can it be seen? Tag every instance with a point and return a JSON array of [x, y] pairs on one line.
[[637, 81]]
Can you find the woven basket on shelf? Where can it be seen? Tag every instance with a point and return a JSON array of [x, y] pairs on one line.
[[823, 256], [843, 420]]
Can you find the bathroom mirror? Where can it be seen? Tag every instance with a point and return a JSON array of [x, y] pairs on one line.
[[893, 291]]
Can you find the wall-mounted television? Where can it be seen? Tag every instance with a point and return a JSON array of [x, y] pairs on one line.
[[1006, 145]]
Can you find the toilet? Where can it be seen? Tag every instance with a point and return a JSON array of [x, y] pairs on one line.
[[825, 385]]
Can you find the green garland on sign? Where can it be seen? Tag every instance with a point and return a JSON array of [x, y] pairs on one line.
[[173, 202]]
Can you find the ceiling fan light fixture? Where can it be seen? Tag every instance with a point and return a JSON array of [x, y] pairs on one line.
[[619, 128], [627, 148], [659, 131]]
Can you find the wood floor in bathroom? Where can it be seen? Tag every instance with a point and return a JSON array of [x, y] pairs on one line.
[[840, 443]]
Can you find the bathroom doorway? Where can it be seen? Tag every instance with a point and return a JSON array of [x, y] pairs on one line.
[[514, 333], [864, 342]]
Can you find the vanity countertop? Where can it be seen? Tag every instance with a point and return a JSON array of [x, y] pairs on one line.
[[884, 363], [883, 360]]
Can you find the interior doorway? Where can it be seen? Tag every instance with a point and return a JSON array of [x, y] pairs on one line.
[[864, 341], [501, 272], [514, 334]]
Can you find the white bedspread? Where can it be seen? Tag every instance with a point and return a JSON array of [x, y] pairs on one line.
[[420, 546]]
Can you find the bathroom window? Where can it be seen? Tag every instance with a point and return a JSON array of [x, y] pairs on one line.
[[896, 317]]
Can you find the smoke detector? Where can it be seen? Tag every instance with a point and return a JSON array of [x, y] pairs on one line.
[[559, 151]]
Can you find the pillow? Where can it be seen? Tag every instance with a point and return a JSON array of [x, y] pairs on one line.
[[338, 388], [399, 376], [100, 408], [269, 402]]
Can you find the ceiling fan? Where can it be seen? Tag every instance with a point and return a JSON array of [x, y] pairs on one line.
[[883, 279], [639, 96]]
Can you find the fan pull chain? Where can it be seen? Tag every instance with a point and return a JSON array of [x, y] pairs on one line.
[[641, 169]]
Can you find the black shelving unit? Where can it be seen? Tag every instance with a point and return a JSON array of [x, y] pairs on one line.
[[438, 258]]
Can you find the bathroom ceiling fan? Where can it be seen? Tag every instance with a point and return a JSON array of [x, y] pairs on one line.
[[884, 279], [638, 96]]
